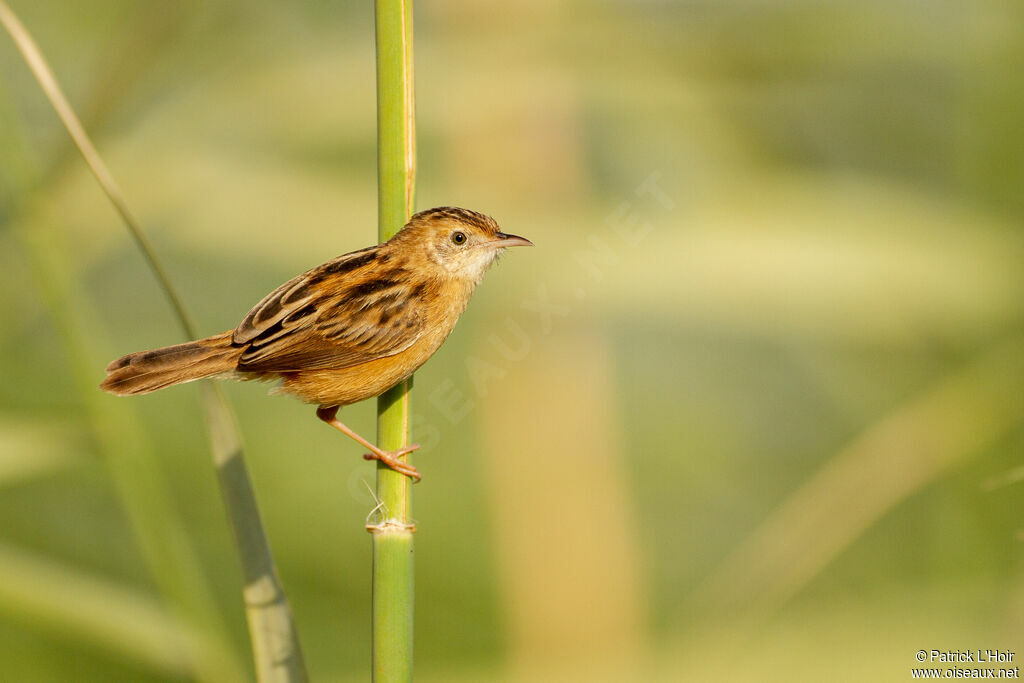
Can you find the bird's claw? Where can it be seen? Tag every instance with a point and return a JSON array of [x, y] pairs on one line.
[[391, 459]]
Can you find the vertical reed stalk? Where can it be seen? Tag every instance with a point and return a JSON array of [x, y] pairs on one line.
[[393, 531]]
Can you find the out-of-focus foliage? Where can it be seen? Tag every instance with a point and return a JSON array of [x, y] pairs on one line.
[[751, 410]]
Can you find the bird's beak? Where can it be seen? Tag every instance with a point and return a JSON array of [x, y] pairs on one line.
[[502, 240]]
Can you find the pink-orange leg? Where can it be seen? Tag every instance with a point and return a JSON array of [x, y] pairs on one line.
[[329, 414]]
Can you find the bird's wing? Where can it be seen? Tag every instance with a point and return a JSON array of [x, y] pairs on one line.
[[348, 311]]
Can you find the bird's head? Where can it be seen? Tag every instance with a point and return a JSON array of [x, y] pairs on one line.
[[456, 243]]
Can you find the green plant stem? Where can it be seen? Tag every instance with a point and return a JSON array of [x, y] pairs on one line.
[[393, 579], [276, 650], [48, 82], [135, 472], [275, 643]]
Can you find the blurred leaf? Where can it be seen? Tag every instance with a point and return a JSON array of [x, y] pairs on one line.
[[892, 460], [102, 614], [31, 449]]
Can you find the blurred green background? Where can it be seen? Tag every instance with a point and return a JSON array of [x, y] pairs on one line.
[[750, 411]]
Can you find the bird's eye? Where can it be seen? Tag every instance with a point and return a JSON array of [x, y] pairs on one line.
[[459, 237]]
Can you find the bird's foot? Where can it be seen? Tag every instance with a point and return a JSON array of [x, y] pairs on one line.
[[391, 459]]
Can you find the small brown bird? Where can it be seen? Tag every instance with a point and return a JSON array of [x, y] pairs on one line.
[[346, 330]]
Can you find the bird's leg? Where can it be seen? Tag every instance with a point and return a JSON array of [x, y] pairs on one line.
[[329, 414]]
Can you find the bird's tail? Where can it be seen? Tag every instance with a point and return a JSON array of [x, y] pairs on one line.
[[145, 371]]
